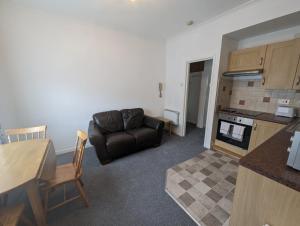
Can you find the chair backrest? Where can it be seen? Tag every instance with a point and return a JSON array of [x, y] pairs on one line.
[[20, 134], [79, 151]]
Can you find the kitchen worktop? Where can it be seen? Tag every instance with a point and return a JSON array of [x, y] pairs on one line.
[[261, 116], [273, 118], [269, 159]]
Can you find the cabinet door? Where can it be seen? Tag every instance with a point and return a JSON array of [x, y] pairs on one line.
[[259, 200], [247, 59], [297, 77], [281, 65], [262, 131]]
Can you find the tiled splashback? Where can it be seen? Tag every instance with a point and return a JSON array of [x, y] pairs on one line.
[[251, 95], [224, 94]]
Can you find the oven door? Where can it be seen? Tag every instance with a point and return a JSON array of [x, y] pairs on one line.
[[234, 133]]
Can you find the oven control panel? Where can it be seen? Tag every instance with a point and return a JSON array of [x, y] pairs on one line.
[[237, 119]]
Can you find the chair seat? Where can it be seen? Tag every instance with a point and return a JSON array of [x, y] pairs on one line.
[[10, 216], [64, 173], [68, 173]]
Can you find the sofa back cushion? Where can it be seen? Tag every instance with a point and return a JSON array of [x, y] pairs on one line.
[[109, 121], [132, 118]]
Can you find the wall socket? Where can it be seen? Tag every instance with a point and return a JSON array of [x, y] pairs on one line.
[[284, 101]]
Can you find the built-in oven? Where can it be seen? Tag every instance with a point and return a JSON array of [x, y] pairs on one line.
[[234, 130]]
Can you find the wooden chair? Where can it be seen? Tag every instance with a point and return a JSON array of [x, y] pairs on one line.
[[13, 215], [69, 173], [16, 135], [38, 132], [3, 200]]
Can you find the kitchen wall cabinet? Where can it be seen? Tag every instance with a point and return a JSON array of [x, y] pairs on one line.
[[247, 59], [296, 84], [259, 201], [281, 65], [262, 131]]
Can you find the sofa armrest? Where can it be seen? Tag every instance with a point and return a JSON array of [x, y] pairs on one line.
[[99, 141], [153, 123], [156, 124], [95, 136]]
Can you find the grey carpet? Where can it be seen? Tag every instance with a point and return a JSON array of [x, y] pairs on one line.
[[128, 191]]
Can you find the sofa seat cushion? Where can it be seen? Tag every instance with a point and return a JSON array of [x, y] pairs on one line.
[[109, 121], [119, 144], [133, 118], [144, 137]]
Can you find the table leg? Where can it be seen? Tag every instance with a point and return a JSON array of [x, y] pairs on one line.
[[36, 203], [170, 128]]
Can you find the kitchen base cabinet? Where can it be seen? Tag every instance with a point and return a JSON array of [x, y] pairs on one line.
[[260, 201], [262, 131], [229, 149]]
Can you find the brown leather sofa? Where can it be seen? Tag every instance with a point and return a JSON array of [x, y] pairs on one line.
[[118, 133]]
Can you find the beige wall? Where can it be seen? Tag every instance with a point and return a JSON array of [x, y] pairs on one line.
[[224, 93], [252, 96]]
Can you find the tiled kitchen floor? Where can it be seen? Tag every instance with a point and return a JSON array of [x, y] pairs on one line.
[[204, 186]]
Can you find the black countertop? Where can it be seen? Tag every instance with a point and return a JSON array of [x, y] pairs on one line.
[[262, 116], [269, 159]]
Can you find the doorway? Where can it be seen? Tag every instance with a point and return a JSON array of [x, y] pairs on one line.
[[197, 92]]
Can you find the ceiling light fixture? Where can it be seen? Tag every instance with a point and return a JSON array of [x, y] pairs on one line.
[[190, 23]]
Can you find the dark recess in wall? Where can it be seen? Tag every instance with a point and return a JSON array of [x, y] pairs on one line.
[[197, 66]]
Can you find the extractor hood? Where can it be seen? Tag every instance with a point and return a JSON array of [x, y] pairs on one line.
[[244, 75]]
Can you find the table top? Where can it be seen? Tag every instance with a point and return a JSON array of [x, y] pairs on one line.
[[20, 162]]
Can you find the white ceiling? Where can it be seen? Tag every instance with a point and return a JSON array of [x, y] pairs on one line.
[[154, 18], [277, 24]]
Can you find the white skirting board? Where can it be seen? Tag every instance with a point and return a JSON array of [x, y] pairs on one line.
[[67, 150]]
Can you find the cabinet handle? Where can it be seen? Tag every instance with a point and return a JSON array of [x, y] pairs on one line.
[[261, 61], [266, 225], [263, 80], [254, 126], [298, 82]]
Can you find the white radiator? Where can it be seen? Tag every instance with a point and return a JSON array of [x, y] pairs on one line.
[[173, 116]]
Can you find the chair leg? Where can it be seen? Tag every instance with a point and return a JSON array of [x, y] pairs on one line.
[[81, 182], [26, 221], [82, 193], [4, 199], [65, 193], [46, 197]]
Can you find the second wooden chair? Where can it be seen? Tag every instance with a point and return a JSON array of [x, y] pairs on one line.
[[12, 216], [38, 132], [69, 173]]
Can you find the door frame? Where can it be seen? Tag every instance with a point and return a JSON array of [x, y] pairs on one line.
[[186, 89]]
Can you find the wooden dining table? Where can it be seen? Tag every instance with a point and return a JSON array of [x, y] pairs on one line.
[[25, 164]]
